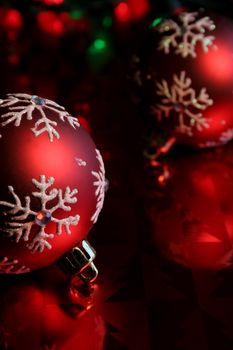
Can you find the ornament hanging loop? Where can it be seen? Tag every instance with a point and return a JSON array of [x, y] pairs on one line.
[[79, 265], [79, 262]]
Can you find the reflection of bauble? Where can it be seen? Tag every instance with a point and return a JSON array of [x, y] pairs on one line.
[[192, 225], [37, 315]]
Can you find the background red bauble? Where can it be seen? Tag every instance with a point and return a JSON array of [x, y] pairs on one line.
[[52, 182], [186, 77], [192, 223]]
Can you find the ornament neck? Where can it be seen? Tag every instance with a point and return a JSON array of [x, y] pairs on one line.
[[78, 265]]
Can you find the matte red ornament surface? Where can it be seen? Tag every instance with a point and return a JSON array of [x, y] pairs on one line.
[[52, 183], [186, 76]]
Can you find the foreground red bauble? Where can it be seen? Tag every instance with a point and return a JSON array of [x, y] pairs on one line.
[[185, 73], [52, 182]]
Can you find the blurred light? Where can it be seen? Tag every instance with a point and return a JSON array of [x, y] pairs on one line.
[[57, 27], [12, 20], [107, 21], [161, 179], [76, 14], [122, 12], [99, 44], [138, 8], [53, 2], [156, 22], [100, 51], [50, 22]]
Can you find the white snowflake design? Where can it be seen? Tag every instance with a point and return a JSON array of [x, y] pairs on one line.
[[100, 184], [11, 266], [184, 37], [22, 218], [24, 105], [182, 99]]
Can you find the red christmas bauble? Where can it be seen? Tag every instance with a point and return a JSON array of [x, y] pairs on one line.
[[52, 182], [186, 77], [192, 224]]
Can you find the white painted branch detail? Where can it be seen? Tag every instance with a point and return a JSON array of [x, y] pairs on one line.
[[11, 266], [23, 106], [21, 218], [100, 184], [181, 100], [184, 36]]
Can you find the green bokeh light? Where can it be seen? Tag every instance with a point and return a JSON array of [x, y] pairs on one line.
[[107, 21], [76, 14], [99, 44], [100, 51], [156, 22]]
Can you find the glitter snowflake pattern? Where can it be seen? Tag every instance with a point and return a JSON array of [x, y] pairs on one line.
[[11, 266], [23, 106], [184, 37], [22, 217], [100, 184], [182, 99]]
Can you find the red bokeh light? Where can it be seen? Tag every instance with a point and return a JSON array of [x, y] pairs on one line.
[[12, 19], [138, 8], [122, 12], [50, 23], [53, 2]]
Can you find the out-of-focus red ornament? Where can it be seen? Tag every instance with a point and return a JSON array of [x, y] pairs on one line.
[[185, 73], [192, 223], [122, 12], [52, 182], [11, 19]]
